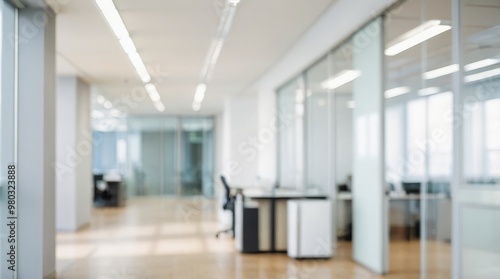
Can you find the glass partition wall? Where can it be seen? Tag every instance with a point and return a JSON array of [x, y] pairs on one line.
[[478, 125], [159, 156], [419, 135]]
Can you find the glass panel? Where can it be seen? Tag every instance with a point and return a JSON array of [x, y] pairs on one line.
[[291, 134], [480, 227], [317, 143], [196, 156], [368, 188], [146, 152], [419, 135], [480, 114], [481, 91]]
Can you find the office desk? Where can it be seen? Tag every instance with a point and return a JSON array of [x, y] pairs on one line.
[[270, 204], [344, 212]]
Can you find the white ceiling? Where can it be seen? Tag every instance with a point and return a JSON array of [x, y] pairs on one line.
[[173, 37]]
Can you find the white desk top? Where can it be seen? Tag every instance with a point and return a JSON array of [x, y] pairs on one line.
[[281, 194], [398, 197]]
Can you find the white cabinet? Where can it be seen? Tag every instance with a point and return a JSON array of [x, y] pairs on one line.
[[309, 228]]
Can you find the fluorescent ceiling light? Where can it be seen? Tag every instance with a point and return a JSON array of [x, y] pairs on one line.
[[223, 27], [481, 64], [115, 21], [113, 18], [482, 75], [416, 36], [159, 106], [108, 105], [196, 106], [199, 95], [428, 91], [152, 92], [397, 91], [350, 104], [340, 79], [128, 45], [441, 71]]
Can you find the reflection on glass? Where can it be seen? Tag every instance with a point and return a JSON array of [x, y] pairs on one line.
[[291, 99], [480, 114], [419, 134], [317, 145]]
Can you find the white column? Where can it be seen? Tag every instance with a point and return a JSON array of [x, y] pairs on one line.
[[73, 154], [36, 143]]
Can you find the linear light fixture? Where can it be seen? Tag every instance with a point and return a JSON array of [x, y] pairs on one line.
[[115, 21], [159, 106], [152, 92], [416, 36], [482, 75], [481, 64], [196, 106], [340, 79], [441, 71], [428, 91], [223, 27], [397, 91]]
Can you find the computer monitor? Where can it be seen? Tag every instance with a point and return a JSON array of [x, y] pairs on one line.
[[411, 187]]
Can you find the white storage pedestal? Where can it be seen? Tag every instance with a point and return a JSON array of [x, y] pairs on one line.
[[309, 228]]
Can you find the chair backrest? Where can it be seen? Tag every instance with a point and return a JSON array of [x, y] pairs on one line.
[[227, 190]]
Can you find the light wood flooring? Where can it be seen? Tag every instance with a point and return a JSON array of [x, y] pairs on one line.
[[155, 238]]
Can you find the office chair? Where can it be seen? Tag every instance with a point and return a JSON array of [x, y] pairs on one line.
[[229, 204]]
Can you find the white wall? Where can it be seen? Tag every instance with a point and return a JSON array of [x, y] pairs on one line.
[[241, 143], [73, 154]]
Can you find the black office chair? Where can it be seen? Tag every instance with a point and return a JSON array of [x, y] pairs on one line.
[[229, 203]]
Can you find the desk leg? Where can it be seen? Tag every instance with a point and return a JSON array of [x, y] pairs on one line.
[[272, 226], [407, 220]]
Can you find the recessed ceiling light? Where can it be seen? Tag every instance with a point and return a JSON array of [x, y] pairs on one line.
[[416, 36]]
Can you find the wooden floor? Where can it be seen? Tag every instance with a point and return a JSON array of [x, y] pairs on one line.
[[166, 238]]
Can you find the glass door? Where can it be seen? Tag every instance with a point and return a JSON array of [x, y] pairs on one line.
[[196, 157]]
